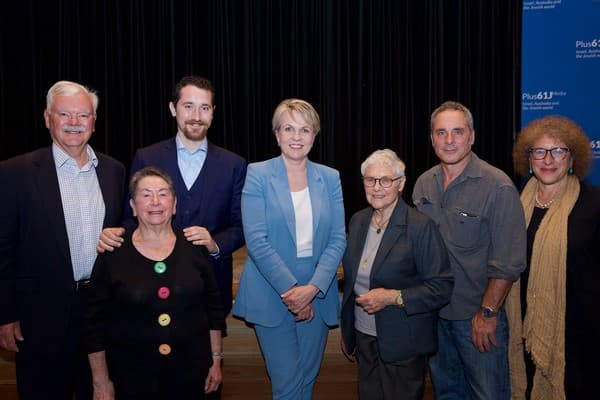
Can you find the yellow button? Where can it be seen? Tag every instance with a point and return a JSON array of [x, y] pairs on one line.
[[164, 349], [164, 319]]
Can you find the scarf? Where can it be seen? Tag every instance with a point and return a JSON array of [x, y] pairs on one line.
[[542, 332]]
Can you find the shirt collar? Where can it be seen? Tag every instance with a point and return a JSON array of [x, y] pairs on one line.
[[181, 146], [61, 157]]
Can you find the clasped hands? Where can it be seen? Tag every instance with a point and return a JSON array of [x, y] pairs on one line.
[[376, 299], [299, 301]]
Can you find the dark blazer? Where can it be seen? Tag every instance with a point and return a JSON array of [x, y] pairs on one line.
[[411, 257], [36, 275], [212, 202]]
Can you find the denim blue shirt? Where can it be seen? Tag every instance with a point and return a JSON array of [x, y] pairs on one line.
[[481, 219]]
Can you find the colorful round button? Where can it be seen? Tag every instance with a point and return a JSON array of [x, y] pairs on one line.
[[164, 349], [163, 292], [164, 319], [160, 267]]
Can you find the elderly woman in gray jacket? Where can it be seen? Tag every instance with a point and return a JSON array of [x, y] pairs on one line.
[[396, 278]]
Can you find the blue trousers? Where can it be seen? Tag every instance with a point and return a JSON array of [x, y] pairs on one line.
[[459, 371], [293, 352]]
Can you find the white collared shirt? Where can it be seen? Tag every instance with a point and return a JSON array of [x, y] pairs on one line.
[[83, 207]]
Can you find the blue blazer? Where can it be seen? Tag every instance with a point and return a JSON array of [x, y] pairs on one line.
[[270, 230], [411, 257], [213, 201], [36, 274]]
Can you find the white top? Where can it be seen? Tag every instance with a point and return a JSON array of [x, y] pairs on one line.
[[304, 225]]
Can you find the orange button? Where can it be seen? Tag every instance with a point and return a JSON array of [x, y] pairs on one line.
[[164, 349]]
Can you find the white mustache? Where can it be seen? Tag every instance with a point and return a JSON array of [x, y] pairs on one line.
[[73, 128]]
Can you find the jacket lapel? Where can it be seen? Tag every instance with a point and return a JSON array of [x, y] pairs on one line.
[[281, 188], [316, 188], [396, 228], [49, 191]]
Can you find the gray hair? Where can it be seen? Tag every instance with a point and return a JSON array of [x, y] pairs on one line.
[[68, 88], [385, 157], [453, 106], [152, 172]]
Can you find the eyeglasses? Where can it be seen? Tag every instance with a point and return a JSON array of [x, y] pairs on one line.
[[557, 153], [384, 181], [67, 116]]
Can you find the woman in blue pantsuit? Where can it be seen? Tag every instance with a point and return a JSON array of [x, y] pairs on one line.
[[293, 218]]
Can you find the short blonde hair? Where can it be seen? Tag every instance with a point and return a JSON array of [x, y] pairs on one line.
[[304, 108]]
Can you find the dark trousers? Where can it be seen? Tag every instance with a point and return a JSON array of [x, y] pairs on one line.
[[57, 375], [380, 380]]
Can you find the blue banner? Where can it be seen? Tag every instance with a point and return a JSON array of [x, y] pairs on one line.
[[561, 65]]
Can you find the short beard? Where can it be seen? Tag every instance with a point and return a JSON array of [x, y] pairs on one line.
[[195, 134]]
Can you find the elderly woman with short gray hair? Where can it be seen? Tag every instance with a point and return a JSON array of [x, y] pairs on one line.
[[396, 277]]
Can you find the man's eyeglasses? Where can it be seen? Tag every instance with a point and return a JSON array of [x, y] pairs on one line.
[[557, 153], [67, 116], [384, 181]]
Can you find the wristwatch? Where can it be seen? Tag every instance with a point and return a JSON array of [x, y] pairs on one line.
[[399, 299], [488, 312]]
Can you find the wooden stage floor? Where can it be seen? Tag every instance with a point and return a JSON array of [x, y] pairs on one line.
[[244, 372]]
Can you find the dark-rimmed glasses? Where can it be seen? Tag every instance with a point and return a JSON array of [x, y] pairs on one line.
[[557, 153], [384, 181]]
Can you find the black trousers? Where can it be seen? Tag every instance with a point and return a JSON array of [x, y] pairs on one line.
[[57, 375], [387, 381]]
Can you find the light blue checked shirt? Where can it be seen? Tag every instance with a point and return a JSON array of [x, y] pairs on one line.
[[83, 207], [190, 164]]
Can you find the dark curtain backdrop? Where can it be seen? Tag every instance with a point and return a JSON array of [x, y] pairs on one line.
[[374, 70]]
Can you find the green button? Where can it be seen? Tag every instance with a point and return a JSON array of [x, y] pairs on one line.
[[160, 267]]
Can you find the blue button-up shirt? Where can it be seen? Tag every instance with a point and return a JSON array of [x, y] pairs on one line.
[[190, 163]]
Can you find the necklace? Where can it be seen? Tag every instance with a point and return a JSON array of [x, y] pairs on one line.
[[381, 225], [370, 249], [543, 205]]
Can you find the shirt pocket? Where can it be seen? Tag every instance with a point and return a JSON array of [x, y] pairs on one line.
[[464, 228]]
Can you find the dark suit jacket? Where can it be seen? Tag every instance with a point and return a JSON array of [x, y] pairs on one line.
[[36, 275], [411, 257], [212, 202]]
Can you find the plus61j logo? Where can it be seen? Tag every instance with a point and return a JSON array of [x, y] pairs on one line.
[[586, 44], [541, 95]]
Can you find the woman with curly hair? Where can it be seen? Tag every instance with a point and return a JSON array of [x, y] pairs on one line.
[[552, 312]]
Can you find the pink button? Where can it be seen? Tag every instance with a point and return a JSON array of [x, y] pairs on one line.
[[163, 292]]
